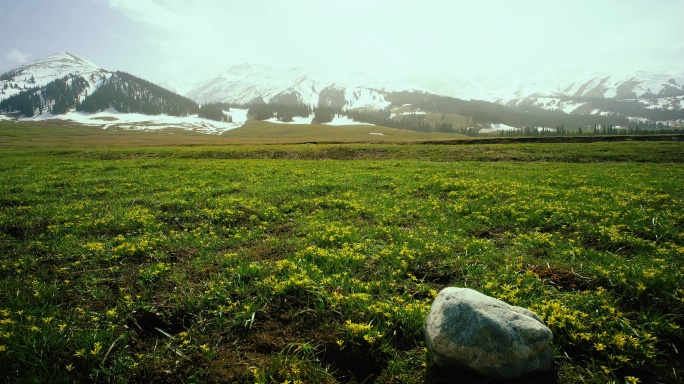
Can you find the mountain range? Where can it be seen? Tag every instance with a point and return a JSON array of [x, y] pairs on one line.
[[254, 83], [246, 83], [65, 85]]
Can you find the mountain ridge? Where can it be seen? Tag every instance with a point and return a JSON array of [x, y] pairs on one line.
[[248, 83], [652, 89], [66, 86], [577, 92], [537, 99]]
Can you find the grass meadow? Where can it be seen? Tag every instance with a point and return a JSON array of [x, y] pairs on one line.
[[318, 263]]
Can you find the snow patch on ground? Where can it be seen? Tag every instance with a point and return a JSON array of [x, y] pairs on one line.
[[376, 133], [344, 120], [365, 98], [498, 127], [569, 107], [410, 113], [638, 119], [137, 121], [668, 103], [295, 120], [555, 103], [672, 123]]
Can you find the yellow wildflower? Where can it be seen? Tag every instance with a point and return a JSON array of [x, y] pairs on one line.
[[96, 349]]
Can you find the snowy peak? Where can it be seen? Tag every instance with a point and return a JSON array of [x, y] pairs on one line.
[[52, 67], [250, 83], [59, 83], [65, 60], [44, 71], [618, 86], [571, 92], [559, 83], [65, 86], [261, 70]]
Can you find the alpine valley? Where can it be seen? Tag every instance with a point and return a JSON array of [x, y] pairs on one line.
[[64, 86]]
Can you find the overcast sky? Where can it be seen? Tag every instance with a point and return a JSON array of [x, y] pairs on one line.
[[168, 40]]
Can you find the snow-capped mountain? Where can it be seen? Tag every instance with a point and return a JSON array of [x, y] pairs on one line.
[[249, 83], [64, 86], [571, 92], [615, 99], [59, 83], [568, 91], [46, 70]]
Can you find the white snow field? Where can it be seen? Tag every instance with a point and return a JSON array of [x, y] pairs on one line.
[[137, 121], [344, 120]]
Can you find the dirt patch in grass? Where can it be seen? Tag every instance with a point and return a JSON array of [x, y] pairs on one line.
[[563, 279], [105, 118], [285, 322], [437, 274], [150, 324]]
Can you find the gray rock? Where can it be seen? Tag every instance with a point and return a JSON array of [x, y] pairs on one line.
[[467, 329]]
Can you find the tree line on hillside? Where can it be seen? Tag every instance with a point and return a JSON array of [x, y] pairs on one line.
[[533, 121], [282, 112], [332, 97], [595, 131], [57, 97], [10, 85], [9, 75], [326, 113], [214, 111], [130, 94], [121, 91], [484, 112], [286, 112], [633, 108], [384, 118]]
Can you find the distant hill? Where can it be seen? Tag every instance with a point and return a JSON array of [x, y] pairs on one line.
[[637, 95], [59, 83], [254, 83], [66, 86], [44, 71], [545, 101], [554, 102]]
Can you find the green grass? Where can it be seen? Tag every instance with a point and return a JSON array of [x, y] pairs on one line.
[[291, 262], [456, 121], [261, 131], [63, 134], [437, 118]]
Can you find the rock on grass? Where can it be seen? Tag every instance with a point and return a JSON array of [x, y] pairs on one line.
[[467, 329]]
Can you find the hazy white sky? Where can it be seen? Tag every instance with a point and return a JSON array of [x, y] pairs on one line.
[[167, 40]]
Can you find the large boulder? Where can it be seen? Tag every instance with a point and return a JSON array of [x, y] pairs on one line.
[[467, 329]]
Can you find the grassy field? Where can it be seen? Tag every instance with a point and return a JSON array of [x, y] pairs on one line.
[[438, 118], [58, 133], [318, 263]]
